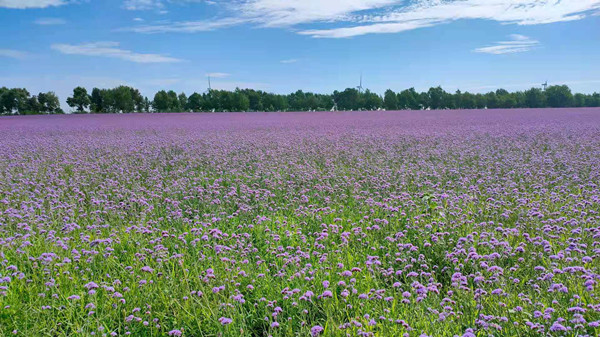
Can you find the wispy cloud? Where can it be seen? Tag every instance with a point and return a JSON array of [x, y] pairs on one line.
[[218, 75], [50, 21], [111, 49], [15, 54], [22, 4], [137, 5], [425, 13], [284, 13], [289, 61], [187, 26], [360, 17], [516, 44]]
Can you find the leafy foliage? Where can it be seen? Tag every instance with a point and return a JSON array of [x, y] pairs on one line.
[[124, 99]]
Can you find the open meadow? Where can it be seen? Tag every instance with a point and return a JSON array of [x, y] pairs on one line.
[[436, 223]]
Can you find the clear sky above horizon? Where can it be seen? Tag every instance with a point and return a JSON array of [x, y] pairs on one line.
[[285, 45]]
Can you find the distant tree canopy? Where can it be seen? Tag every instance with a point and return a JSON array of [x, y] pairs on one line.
[[19, 101], [124, 99], [80, 100]]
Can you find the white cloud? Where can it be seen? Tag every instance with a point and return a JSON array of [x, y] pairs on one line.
[[361, 17], [424, 13], [218, 75], [187, 26], [379, 28], [138, 5], [22, 4], [15, 54], [50, 21], [281, 13], [289, 61], [138, 19], [111, 49], [516, 44]]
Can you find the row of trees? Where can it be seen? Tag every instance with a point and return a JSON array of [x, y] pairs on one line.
[[19, 101], [121, 99], [124, 99], [557, 96]]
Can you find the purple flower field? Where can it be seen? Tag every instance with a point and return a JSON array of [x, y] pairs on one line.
[[421, 223]]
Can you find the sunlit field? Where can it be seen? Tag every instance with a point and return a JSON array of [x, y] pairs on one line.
[[447, 223]]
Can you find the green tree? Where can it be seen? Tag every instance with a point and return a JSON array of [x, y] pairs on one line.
[[96, 105], [123, 99], [161, 101], [14, 101], [138, 100], [535, 98], [491, 100], [348, 99], [239, 101], [108, 100], [22, 99], [370, 100], [448, 101], [49, 103], [457, 99], [209, 103], [33, 105], [147, 105], [3, 109], [325, 102], [480, 101], [173, 101], [468, 101], [519, 98], [195, 102], [579, 100], [183, 102], [424, 101], [592, 100], [408, 99], [311, 102], [272, 102], [390, 100], [559, 96], [503, 99], [254, 99], [80, 100], [436, 98]]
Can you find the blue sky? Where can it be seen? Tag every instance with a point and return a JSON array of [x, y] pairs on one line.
[[284, 45]]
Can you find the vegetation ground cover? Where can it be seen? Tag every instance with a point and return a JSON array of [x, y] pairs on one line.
[[376, 223]]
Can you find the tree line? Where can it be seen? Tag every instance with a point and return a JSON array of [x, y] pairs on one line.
[[19, 101], [125, 99]]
